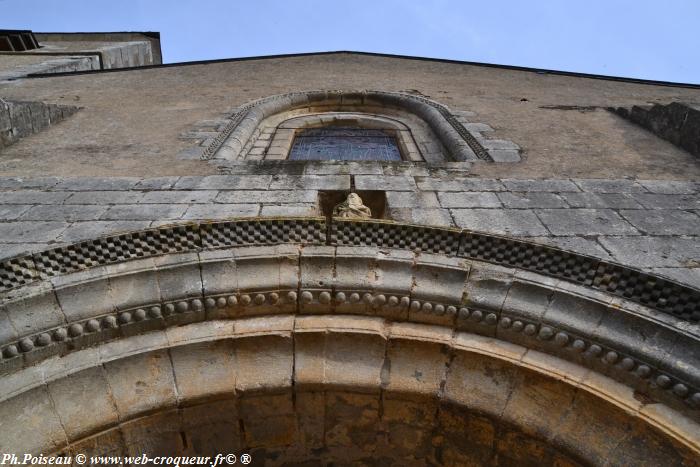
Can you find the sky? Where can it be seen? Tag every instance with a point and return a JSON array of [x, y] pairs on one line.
[[646, 39]]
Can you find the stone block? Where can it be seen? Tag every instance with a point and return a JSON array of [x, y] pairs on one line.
[[289, 210], [220, 211], [458, 184], [670, 187], [601, 200], [218, 269], [406, 199], [415, 368], [271, 196], [10, 212], [571, 313], [33, 308], [102, 198], [156, 183], [34, 412], [469, 200], [663, 221], [264, 363], [213, 427], [157, 435], [525, 300], [32, 197], [317, 267], [351, 420], [96, 183], [262, 269], [385, 182], [428, 216], [548, 185], [342, 168], [481, 383], [469, 439], [139, 212], [269, 421], [311, 182], [609, 186], [224, 182], [648, 252], [516, 222], [179, 197], [488, 286], [31, 231], [213, 362], [504, 155], [585, 222], [538, 402], [83, 402], [82, 297], [657, 201], [339, 360], [65, 213], [179, 276], [93, 229], [535, 199], [137, 288], [141, 383]]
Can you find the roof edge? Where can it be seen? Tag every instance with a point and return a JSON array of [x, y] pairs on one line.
[[377, 54]]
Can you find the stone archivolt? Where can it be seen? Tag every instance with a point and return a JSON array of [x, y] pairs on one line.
[[403, 307]]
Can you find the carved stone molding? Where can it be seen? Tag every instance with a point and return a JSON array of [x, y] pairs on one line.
[[640, 287], [269, 275], [463, 145]]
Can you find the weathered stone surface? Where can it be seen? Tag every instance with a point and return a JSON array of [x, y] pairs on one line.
[[584, 222], [501, 221], [469, 200], [664, 222]]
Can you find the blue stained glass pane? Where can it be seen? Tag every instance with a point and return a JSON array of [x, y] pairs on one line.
[[345, 144]]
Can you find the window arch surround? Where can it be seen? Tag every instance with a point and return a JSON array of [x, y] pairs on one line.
[[281, 137], [247, 123]]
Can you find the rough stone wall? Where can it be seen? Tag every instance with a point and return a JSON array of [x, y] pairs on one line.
[[132, 120]]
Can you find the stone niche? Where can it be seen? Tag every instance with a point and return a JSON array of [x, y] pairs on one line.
[[375, 200]]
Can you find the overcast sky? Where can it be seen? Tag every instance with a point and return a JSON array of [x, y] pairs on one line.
[[650, 39]]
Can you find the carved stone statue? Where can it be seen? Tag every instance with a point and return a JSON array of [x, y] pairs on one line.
[[352, 208]]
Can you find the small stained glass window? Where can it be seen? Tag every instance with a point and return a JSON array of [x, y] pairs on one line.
[[344, 144]]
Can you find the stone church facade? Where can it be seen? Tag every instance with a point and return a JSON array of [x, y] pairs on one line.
[[344, 259]]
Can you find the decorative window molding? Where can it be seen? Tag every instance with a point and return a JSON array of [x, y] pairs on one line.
[[446, 133], [274, 143]]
